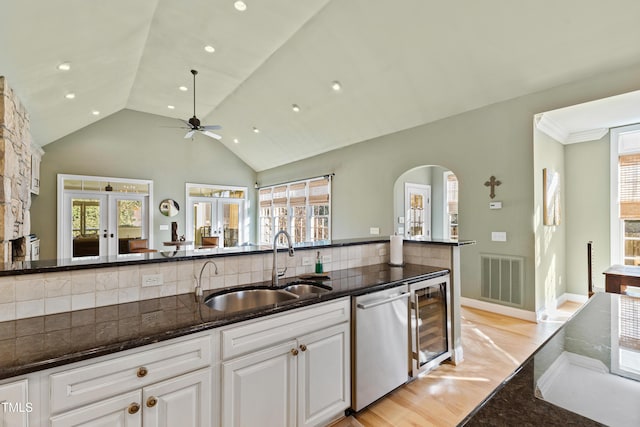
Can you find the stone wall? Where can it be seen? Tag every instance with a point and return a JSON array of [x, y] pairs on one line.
[[15, 170]]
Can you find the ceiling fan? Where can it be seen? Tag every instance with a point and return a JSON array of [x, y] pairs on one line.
[[193, 124]]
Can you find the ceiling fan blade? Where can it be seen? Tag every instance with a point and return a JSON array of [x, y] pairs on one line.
[[189, 134], [211, 127], [212, 135]]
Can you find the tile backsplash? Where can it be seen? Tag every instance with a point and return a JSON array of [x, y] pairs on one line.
[[30, 295]]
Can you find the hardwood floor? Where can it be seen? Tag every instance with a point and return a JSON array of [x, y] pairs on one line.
[[494, 345]]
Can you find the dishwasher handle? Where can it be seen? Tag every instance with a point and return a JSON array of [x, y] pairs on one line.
[[383, 301]]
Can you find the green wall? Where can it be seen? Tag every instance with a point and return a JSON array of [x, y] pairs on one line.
[[550, 263], [494, 140], [587, 168], [130, 144]]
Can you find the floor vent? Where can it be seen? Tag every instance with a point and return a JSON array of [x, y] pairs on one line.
[[502, 278]]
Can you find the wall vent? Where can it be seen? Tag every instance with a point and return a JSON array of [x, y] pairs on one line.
[[502, 278]]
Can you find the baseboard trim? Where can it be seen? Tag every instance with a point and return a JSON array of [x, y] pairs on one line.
[[572, 298], [518, 313]]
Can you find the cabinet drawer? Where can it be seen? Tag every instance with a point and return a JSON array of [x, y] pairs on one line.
[[95, 381], [268, 331]]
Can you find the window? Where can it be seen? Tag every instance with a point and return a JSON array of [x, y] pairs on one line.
[[451, 207], [301, 207], [625, 208]]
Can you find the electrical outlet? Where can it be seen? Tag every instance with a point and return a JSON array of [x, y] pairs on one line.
[[499, 236], [152, 280], [374, 230], [164, 227], [151, 317], [307, 260], [326, 259]]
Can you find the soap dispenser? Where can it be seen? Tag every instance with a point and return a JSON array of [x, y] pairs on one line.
[[318, 263]]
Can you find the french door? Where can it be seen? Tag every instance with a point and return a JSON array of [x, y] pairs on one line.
[[417, 206], [219, 217], [99, 224]]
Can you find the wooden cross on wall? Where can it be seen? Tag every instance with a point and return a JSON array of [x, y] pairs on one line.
[[493, 183]]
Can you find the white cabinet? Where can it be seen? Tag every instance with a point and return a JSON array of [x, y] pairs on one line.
[[183, 401], [14, 404], [36, 158], [298, 376], [168, 385]]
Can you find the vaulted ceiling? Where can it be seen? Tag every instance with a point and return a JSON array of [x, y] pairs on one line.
[[400, 63]]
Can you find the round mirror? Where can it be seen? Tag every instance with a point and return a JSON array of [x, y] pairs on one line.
[[169, 207]]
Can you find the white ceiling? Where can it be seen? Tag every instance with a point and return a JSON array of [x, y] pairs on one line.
[[401, 63]]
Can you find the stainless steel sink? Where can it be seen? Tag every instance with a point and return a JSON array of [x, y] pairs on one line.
[[306, 288], [245, 299]]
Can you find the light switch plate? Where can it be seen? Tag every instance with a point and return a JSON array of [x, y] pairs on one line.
[[164, 227], [499, 236], [374, 230], [495, 205]]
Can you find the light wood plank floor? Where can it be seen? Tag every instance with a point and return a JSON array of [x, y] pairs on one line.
[[494, 345]]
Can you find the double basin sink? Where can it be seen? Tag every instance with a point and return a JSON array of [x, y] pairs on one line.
[[255, 297]]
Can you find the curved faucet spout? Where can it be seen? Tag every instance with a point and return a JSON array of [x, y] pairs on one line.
[[275, 274], [198, 290]]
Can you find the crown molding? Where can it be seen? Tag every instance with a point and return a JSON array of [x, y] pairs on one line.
[[556, 131]]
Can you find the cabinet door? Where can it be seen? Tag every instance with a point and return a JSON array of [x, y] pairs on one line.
[[324, 375], [14, 404], [183, 401], [121, 411], [259, 389]]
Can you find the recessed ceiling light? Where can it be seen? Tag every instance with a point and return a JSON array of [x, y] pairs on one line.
[[210, 48], [296, 108], [183, 88], [336, 86], [70, 95], [65, 66], [240, 6], [95, 112], [171, 107], [235, 140], [256, 130]]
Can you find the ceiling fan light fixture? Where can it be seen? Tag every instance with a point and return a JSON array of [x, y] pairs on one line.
[[209, 48], [65, 66], [240, 6]]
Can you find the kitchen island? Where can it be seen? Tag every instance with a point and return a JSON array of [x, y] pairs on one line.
[[586, 374]]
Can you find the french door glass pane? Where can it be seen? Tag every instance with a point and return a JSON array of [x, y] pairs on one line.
[[85, 214], [201, 221], [130, 221], [416, 215], [231, 223]]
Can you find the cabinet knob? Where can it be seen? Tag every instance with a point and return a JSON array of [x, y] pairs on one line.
[[294, 351], [151, 402], [142, 372], [303, 347], [133, 408]]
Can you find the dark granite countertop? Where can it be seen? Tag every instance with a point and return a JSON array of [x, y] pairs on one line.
[[586, 374], [54, 265], [37, 343]]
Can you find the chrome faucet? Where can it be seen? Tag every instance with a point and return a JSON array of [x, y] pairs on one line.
[[274, 271], [198, 290]]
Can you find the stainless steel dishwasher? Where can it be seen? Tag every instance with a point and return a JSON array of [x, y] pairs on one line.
[[380, 346]]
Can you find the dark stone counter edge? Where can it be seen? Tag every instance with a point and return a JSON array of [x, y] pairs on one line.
[[78, 356], [52, 266], [501, 399]]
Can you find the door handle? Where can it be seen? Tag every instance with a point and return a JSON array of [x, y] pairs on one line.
[[384, 301]]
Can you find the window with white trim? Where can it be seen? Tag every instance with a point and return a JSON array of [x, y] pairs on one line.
[[625, 209], [303, 208]]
